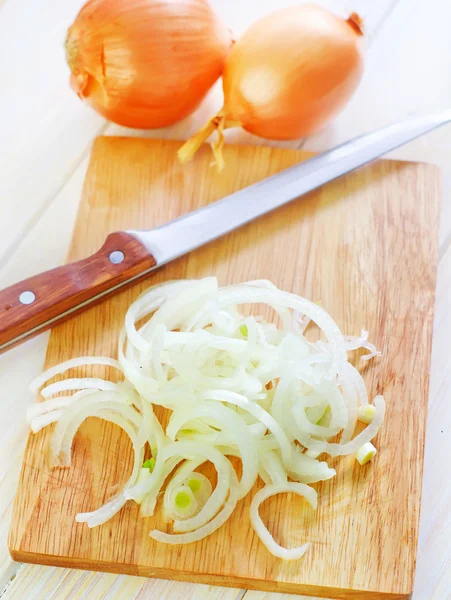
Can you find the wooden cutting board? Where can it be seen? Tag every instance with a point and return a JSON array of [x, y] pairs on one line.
[[366, 248]]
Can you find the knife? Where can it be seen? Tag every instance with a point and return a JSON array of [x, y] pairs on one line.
[[36, 304]]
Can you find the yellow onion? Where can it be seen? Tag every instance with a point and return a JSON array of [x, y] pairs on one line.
[[287, 76], [146, 63]]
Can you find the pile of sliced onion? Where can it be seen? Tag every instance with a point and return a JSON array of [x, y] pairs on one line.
[[236, 386]]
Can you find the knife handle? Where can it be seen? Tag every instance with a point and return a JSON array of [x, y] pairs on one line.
[[36, 304]]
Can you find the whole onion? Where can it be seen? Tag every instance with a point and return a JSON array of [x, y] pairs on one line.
[[287, 76], [146, 63]]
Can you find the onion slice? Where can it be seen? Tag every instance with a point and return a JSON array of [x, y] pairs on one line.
[[261, 530]]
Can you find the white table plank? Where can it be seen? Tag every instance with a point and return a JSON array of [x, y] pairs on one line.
[[36, 583], [39, 252], [433, 578], [13, 446], [45, 129]]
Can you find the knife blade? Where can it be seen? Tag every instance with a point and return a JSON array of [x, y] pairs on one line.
[[39, 302]]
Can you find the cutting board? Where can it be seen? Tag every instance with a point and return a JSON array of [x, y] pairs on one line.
[[365, 247]]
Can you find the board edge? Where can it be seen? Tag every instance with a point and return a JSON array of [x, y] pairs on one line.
[[204, 578]]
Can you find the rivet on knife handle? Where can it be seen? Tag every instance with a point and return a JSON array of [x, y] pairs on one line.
[[36, 304]]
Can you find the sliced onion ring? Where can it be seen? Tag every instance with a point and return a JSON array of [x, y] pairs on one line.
[[301, 489]]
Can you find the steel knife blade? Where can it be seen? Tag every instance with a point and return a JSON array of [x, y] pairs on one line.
[[36, 304]]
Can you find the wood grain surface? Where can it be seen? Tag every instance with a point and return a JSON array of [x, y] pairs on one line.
[[366, 247]]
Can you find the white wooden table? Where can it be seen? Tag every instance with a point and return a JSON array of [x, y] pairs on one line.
[[45, 138]]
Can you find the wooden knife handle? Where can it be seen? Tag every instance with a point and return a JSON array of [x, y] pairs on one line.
[[36, 304]]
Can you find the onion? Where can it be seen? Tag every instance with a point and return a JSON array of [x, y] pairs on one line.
[[145, 63], [287, 76], [78, 384], [153, 487], [272, 490], [259, 413], [181, 478], [208, 528], [183, 502], [237, 386], [71, 364], [229, 419]]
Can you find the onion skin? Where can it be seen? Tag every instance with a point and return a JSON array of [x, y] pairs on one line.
[[146, 63], [288, 75], [289, 89]]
